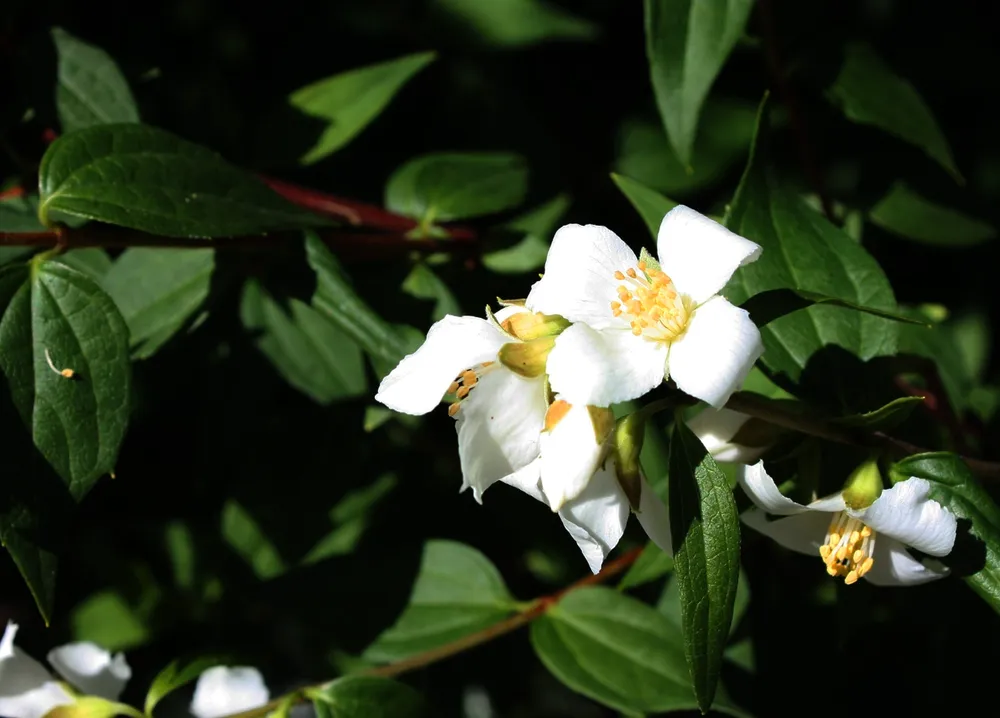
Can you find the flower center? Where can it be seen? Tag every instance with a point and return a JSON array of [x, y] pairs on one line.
[[654, 308], [465, 383], [848, 548]]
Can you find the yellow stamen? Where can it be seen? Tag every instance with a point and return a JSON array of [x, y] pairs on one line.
[[452, 388], [453, 409], [652, 303], [847, 551]]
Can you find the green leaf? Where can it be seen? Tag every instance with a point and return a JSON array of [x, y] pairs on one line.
[[19, 527], [517, 23], [457, 592], [804, 252], [652, 564], [367, 697], [957, 489], [338, 302], [92, 261], [352, 99], [906, 213], [940, 346], [870, 93], [310, 352], [423, 283], [91, 89], [59, 315], [529, 253], [350, 519], [767, 306], [174, 676], [705, 529], [891, 415], [687, 43], [447, 186], [147, 179], [650, 204], [19, 214], [617, 651], [669, 603], [725, 132], [105, 618], [240, 530], [158, 291]]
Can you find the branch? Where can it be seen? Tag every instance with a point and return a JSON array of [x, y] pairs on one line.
[[771, 412], [535, 609]]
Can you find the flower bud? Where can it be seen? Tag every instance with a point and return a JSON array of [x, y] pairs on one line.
[[527, 325], [630, 431], [527, 358], [863, 486]]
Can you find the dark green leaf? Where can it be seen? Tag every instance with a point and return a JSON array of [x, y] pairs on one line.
[[447, 186], [764, 307], [241, 532], [941, 347], [368, 697], [892, 414], [36, 563], [650, 204], [725, 132], [350, 519], [705, 529], [687, 42], [58, 317], [670, 603], [957, 489], [423, 283], [310, 352], [20, 214], [92, 261], [352, 99], [91, 89], [175, 675], [870, 93], [158, 291], [517, 23], [804, 252], [906, 213], [457, 592], [652, 564], [145, 178], [336, 300], [529, 253]]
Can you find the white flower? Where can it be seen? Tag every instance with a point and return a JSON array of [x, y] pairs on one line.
[[509, 432], [867, 543], [28, 690], [716, 428], [636, 324], [222, 691]]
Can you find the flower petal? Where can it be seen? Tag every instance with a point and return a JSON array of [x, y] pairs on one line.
[[603, 368], [453, 345], [579, 280], [699, 254], [713, 357], [907, 513], [716, 429], [528, 480], [222, 690], [762, 490], [498, 426], [654, 519], [803, 533], [894, 566], [91, 669], [571, 452], [596, 518], [830, 504], [27, 690]]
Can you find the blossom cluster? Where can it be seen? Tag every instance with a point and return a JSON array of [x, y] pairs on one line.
[[532, 388]]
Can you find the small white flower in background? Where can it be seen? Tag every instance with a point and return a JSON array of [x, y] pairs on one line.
[[28, 690], [717, 429], [864, 542], [222, 691], [638, 324], [509, 432]]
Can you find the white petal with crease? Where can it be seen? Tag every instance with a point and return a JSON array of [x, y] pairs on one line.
[[222, 690], [699, 254], [715, 428], [803, 533], [91, 669], [27, 689], [907, 513], [596, 518], [894, 566], [654, 519], [453, 345], [712, 358], [762, 490], [603, 368], [570, 454], [579, 278], [498, 426]]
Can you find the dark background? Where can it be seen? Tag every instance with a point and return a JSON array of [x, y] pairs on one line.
[[214, 421]]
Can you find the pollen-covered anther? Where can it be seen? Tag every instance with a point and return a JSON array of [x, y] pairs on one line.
[[655, 310], [848, 549], [465, 383]]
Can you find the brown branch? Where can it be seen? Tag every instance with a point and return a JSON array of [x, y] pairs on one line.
[[779, 78], [535, 609]]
